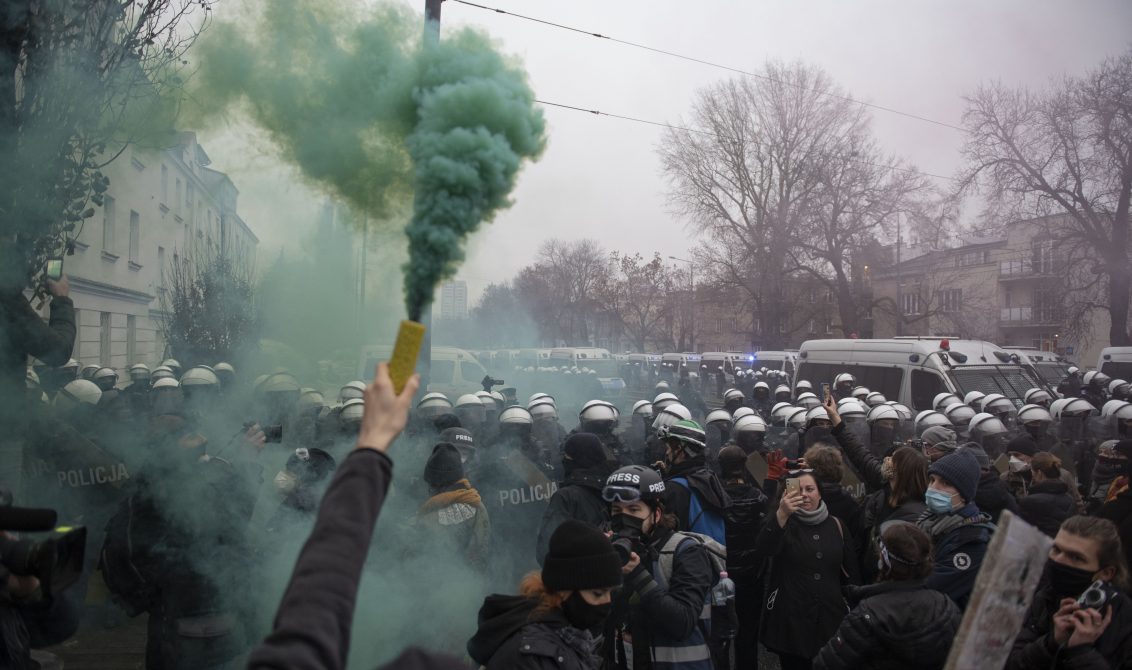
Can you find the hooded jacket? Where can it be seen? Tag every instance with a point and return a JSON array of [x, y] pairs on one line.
[[512, 635], [455, 521], [579, 498], [1047, 505], [893, 625], [993, 497], [701, 480], [23, 334]]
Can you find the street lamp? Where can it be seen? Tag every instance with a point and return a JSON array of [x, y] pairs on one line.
[[692, 298]]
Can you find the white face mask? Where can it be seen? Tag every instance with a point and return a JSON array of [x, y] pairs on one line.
[[286, 483], [1018, 465]]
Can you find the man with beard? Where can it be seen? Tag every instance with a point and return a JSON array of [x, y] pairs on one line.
[[579, 495], [1060, 632]]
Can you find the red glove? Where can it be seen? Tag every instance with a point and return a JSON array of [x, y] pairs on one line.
[[775, 465]]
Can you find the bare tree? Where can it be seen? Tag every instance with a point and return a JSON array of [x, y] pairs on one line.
[[769, 174], [82, 80], [637, 296], [1065, 150], [209, 306], [563, 288]]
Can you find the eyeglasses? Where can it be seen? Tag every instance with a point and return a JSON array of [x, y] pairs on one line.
[[625, 494]]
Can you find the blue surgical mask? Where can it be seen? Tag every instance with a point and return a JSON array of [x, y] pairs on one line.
[[938, 501]]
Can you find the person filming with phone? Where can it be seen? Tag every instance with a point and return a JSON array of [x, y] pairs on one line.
[[1080, 617]]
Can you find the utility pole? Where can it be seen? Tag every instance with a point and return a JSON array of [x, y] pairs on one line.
[[899, 296], [692, 299]]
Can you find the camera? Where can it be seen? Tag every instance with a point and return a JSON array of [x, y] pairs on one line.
[[57, 562], [624, 545], [488, 382], [1099, 594], [271, 434]]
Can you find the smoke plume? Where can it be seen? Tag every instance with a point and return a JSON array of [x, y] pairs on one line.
[[369, 113]]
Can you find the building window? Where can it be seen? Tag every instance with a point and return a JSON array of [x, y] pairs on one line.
[[177, 202], [135, 236], [131, 339], [978, 257], [164, 184], [828, 326], [104, 339], [108, 224], [1043, 257], [161, 266], [950, 300], [190, 196], [910, 304]]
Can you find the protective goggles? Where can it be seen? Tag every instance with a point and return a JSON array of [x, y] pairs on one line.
[[625, 494]]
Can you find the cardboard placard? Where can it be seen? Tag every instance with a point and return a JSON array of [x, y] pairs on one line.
[[1004, 590]]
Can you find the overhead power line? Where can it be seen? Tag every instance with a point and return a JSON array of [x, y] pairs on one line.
[[598, 112], [710, 64]]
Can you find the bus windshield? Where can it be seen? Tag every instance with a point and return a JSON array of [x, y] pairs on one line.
[[1010, 381], [1053, 373]]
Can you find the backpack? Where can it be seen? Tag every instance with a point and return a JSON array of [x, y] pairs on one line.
[[720, 618], [123, 570], [702, 520]]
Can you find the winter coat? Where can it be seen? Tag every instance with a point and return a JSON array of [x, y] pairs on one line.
[[808, 565], [511, 635], [678, 498], [662, 613], [960, 542], [744, 521], [894, 625], [455, 523], [992, 496], [842, 505], [578, 498], [867, 465], [1035, 647], [314, 621], [1119, 511], [1047, 505], [875, 514]]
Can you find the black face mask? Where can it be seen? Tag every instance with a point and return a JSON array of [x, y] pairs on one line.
[[1035, 432], [1067, 581], [583, 615], [625, 524]]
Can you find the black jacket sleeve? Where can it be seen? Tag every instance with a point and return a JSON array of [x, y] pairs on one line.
[[312, 626], [852, 643], [862, 459], [50, 342], [675, 611], [677, 500], [557, 512]]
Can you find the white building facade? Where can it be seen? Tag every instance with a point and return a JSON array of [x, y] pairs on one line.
[[159, 203]]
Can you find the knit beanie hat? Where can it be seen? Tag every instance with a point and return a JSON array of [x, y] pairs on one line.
[[580, 557], [585, 449], [733, 461], [1023, 444], [443, 466], [961, 470], [936, 434]]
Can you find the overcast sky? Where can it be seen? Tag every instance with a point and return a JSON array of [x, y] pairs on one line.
[[600, 178]]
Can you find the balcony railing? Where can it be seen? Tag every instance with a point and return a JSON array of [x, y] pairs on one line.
[[1027, 266], [1021, 316]]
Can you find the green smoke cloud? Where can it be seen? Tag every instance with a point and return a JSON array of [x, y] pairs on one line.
[[367, 112]]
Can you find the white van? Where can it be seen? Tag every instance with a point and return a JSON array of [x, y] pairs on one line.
[[1116, 362], [602, 362], [724, 363], [453, 372], [786, 361], [532, 358], [672, 364], [1047, 366], [913, 370]]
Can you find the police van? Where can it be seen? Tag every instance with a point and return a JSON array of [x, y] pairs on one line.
[[1116, 362], [775, 360], [453, 371], [1047, 366], [913, 370], [672, 364], [604, 365]]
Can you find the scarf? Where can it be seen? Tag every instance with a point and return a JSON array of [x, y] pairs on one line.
[[815, 517], [936, 525], [465, 494]]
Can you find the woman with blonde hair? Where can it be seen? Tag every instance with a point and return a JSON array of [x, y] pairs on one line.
[[547, 626]]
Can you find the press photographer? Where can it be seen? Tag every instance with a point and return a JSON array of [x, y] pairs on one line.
[[34, 611], [1080, 618]]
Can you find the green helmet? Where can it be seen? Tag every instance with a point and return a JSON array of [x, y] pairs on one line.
[[686, 432]]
